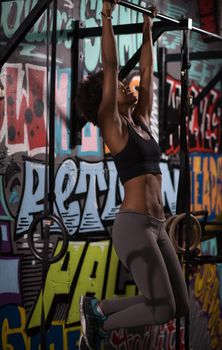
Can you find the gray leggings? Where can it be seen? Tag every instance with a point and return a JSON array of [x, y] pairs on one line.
[[143, 246]]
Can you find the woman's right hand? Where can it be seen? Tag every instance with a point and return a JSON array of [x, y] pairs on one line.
[[149, 19]]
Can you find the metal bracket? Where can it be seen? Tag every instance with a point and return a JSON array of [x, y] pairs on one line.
[[186, 23]]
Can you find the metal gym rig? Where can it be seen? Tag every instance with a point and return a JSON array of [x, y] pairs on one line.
[[184, 220]]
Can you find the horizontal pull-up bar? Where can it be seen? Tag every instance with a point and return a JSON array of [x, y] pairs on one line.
[[167, 18], [148, 12], [195, 56], [122, 29], [133, 28]]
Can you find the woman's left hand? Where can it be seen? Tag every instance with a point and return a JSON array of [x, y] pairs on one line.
[[109, 5]]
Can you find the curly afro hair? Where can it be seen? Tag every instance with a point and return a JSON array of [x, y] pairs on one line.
[[89, 96]]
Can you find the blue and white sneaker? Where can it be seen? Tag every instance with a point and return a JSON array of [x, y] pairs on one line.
[[91, 322], [82, 343]]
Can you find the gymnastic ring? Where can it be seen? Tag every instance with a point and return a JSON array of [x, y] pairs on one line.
[[172, 231], [58, 221], [197, 231], [169, 222]]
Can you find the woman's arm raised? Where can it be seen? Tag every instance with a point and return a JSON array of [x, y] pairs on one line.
[[108, 111], [143, 108]]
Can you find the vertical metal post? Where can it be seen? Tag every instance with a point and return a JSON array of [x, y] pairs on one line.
[[51, 195], [183, 197], [75, 129], [162, 69], [220, 145]]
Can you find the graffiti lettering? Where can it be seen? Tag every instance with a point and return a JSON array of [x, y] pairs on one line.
[[206, 183], [14, 13], [127, 44], [34, 194], [205, 180], [5, 219], [12, 323], [14, 335], [169, 187], [206, 290], [90, 278], [152, 337], [94, 172], [204, 124], [25, 118], [60, 282], [91, 143]]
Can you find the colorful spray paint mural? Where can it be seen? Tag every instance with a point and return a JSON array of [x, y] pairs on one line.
[[88, 191]]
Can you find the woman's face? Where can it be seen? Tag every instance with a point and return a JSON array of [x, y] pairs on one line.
[[125, 94]]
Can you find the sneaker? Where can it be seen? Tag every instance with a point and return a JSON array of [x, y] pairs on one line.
[[91, 322], [82, 344]]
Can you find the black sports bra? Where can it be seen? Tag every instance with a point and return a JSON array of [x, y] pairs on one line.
[[139, 156]]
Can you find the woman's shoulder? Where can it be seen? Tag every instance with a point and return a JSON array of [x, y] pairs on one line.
[[114, 133]]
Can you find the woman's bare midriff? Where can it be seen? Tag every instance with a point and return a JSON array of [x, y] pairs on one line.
[[143, 194]]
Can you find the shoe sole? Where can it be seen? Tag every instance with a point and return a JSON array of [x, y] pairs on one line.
[[83, 321]]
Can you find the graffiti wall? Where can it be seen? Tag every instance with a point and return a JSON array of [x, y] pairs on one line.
[[88, 192]]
